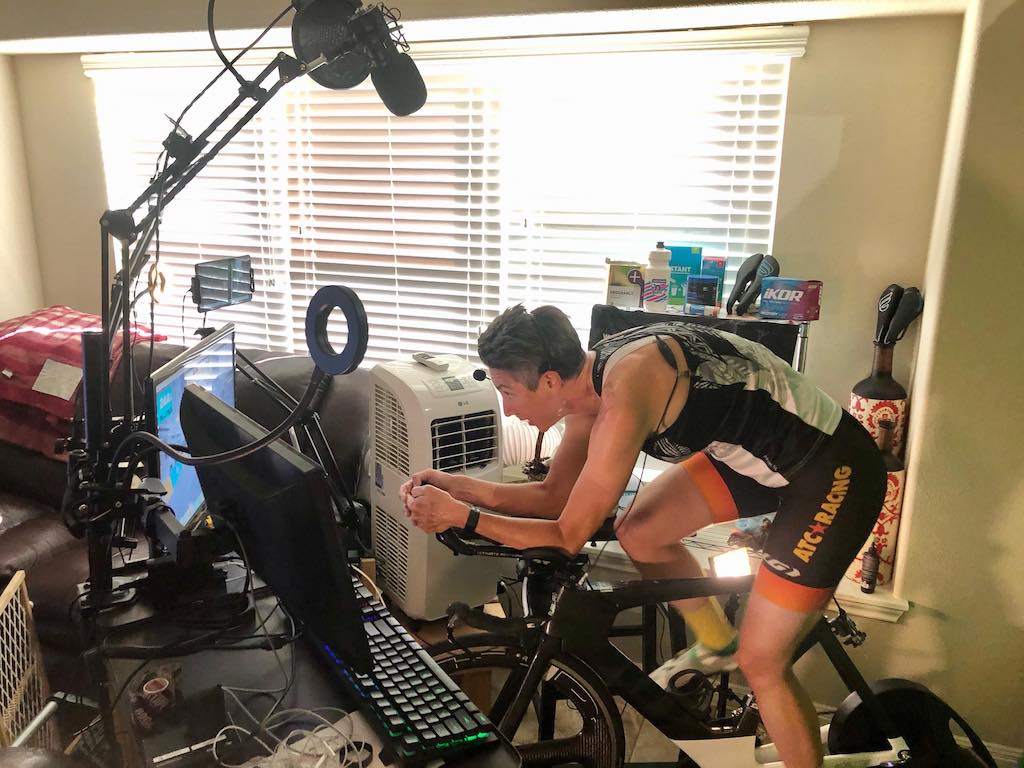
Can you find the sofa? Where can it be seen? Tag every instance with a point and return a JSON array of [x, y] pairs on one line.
[[33, 536]]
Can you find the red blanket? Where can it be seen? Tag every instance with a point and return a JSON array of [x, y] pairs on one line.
[[37, 410]]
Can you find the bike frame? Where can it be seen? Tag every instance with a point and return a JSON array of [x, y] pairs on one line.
[[580, 624]]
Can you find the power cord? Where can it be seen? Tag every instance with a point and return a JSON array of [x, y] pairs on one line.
[[326, 744], [370, 583], [219, 458]]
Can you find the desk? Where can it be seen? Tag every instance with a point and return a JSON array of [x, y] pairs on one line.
[[203, 712]]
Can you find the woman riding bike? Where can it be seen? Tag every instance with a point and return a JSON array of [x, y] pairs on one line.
[[750, 436]]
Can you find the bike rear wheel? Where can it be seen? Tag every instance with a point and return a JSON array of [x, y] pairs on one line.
[[922, 718], [573, 720]]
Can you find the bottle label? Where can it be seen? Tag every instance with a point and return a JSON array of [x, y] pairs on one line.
[[656, 290], [870, 412]]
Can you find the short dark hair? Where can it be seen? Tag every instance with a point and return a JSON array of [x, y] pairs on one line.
[[530, 343]]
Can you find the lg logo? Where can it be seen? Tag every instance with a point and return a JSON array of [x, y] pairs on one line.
[[783, 568]]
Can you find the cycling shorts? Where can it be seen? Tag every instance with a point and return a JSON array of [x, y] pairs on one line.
[[822, 517]]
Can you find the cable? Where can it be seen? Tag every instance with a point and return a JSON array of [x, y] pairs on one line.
[[370, 583], [196, 644], [183, 297], [331, 745], [220, 458], [216, 46], [163, 155], [235, 60], [277, 657], [177, 124]]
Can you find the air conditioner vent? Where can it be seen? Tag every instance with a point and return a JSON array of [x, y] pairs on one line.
[[391, 545], [464, 442], [391, 434]]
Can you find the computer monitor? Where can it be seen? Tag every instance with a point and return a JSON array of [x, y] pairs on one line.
[[278, 501], [211, 364]]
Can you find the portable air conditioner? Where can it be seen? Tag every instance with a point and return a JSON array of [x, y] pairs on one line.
[[420, 419]]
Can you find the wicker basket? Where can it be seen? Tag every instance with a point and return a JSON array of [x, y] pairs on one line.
[[23, 688]]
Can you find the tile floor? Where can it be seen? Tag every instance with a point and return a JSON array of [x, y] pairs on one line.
[[644, 742]]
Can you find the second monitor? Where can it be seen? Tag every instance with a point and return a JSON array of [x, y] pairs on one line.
[[209, 363], [277, 501]]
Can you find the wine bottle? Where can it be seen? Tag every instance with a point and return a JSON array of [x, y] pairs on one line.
[[869, 568]]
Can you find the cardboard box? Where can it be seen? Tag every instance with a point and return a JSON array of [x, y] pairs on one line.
[[702, 293], [714, 266], [685, 261], [786, 298], [625, 284]]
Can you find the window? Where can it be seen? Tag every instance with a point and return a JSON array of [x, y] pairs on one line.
[[524, 172]]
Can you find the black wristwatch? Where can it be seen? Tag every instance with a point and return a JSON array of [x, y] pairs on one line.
[[471, 521]]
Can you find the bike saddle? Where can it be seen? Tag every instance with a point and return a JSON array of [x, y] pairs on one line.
[[748, 282]]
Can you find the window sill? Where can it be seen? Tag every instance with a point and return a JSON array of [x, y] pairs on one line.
[[881, 604]]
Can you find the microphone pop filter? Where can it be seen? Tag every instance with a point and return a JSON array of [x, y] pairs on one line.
[[400, 85], [321, 28]]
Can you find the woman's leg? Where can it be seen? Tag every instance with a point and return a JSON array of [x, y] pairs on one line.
[[670, 508], [651, 530], [825, 515], [768, 638]]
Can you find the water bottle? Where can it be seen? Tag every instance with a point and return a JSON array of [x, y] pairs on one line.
[[869, 568], [656, 284]]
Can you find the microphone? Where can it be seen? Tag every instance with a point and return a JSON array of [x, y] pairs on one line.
[[354, 41], [320, 32], [479, 374], [393, 72]]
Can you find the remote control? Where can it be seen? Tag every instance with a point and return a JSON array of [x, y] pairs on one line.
[[427, 359]]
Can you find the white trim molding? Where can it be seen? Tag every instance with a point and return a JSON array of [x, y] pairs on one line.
[[421, 31], [784, 41], [881, 604]]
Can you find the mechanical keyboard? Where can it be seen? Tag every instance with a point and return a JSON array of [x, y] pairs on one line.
[[418, 711]]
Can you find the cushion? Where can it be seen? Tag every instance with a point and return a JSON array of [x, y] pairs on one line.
[[24, 546]]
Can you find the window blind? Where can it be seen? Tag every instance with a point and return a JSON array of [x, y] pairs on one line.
[[230, 209], [523, 173]]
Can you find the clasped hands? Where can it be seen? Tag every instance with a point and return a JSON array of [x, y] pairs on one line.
[[429, 505]]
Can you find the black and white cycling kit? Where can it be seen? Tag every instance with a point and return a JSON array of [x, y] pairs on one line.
[[758, 437]]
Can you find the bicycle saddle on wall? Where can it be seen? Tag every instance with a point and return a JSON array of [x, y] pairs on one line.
[[748, 282]]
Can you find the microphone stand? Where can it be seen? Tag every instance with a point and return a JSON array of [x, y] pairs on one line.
[[106, 502], [95, 500]]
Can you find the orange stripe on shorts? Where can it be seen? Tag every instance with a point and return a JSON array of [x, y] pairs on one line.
[[795, 597], [712, 487]]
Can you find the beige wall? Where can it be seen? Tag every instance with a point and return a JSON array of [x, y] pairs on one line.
[[964, 636], [62, 150], [860, 170], [20, 287]]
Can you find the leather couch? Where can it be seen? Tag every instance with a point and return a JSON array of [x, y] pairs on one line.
[[34, 538]]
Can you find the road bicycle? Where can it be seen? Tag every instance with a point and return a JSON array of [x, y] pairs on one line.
[[554, 679]]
